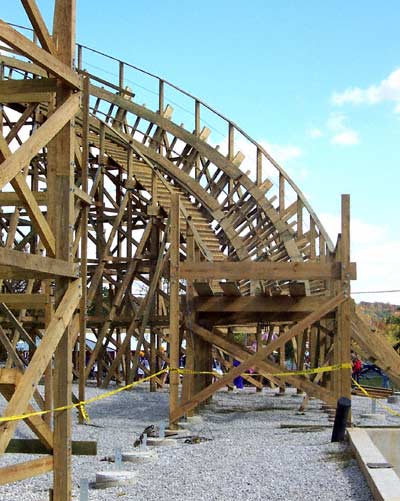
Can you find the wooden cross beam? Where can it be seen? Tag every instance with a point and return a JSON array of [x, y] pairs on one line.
[[254, 360], [24, 390]]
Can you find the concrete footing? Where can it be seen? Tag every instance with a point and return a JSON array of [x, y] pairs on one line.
[[158, 442], [107, 479], [179, 432], [195, 419], [139, 456]]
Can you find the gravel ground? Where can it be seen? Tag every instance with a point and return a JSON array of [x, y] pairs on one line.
[[248, 457]]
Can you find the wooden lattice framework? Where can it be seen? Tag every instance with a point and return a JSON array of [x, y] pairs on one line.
[[119, 223]]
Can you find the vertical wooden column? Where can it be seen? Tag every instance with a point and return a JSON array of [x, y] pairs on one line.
[[174, 305], [61, 217], [61, 207], [100, 244], [84, 244], [48, 375], [187, 386], [342, 341], [154, 250], [259, 346], [282, 358]]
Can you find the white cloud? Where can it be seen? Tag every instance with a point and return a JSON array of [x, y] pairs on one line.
[[376, 253], [315, 133], [348, 137], [341, 133], [386, 90], [282, 152]]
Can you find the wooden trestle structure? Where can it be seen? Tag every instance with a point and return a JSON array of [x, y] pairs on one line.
[[120, 223]]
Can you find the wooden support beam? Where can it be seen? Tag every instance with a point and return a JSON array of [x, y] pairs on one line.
[[29, 201], [129, 275], [257, 304], [11, 199], [33, 446], [28, 301], [17, 326], [16, 472], [43, 266], [39, 26], [342, 339], [254, 360], [265, 270], [21, 157], [24, 390], [38, 90], [36, 423], [61, 173], [40, 56], [174, 342]]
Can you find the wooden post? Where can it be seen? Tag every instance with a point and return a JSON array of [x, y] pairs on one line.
[[187, 386], [154, 249], [84, 245], [48, 379], [342, 345], [282, 358], [259, 346], [174, 306], [63, 218]]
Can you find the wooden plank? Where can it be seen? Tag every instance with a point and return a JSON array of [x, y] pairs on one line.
[[14, 473], [9, 376], [17, 325], [40, 56], [202, 288], [27, 91], [29, 301], [23, 155], [264, 271], [39, 26], [45, 266], [274, 304], [33, 446], [83, 196], [230, 289], [11, 199]]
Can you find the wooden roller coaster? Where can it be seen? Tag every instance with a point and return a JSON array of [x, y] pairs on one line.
[[121, 225]]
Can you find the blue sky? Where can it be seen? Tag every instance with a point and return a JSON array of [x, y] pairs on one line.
[[315, 80]]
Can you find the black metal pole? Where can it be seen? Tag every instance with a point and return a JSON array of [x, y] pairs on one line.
[[342, 413]]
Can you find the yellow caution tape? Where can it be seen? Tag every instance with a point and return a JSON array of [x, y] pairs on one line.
[[83, 412], [388, 409], [317, 370], [81, 405]]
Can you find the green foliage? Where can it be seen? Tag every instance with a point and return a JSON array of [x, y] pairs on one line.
[[240, 337]]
